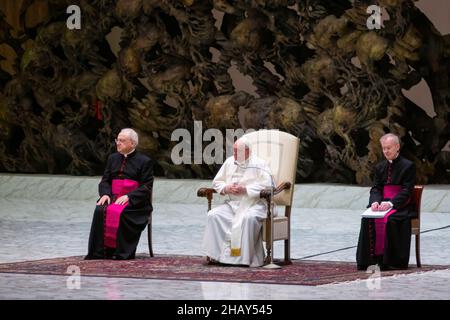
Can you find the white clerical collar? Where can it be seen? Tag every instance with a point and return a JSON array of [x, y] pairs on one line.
[[243, 163], [127, 154], [394, 158]]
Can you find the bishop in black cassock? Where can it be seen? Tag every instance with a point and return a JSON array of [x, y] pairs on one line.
[[387, 243], [124, 206]]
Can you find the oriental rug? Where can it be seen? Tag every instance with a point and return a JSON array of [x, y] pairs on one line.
[[195, 268]]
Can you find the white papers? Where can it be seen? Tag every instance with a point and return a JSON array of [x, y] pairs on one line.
[[374, 214]]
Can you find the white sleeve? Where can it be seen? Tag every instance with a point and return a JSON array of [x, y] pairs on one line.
[[219, 181], [264, 181]]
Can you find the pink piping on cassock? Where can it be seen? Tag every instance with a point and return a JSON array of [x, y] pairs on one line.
[[389, 192], [113, 211]]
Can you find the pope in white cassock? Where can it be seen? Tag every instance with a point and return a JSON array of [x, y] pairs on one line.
[[233, 229]]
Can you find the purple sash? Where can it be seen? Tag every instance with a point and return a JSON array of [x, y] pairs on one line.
[[389, 191], [113, 211]]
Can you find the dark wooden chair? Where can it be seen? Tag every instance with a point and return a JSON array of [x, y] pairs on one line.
[[149, 230], [149, 235], [415, 222]]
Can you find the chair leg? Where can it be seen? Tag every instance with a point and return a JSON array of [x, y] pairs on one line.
[[149, 235], [287, 251], [268, 252], [268, 243], [419, 265]]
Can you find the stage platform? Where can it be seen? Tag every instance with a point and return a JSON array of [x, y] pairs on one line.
[[45, 217]]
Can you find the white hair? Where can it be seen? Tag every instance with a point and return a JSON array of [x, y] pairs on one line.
[[132, 135], [392, 136]]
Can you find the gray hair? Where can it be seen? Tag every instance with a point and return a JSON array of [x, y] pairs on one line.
[[132, 135], [392, 136]]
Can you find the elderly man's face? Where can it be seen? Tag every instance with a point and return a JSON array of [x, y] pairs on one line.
[[390, 148], [240, 152], [124, 143]]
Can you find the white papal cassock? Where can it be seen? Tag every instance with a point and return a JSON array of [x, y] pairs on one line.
[[233, 229]]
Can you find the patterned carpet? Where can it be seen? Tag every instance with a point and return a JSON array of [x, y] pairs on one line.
[[194, 268]]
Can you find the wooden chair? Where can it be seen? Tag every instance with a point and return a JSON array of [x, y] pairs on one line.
[[149, 230], [415, 222], [149, 235], [280, 151]]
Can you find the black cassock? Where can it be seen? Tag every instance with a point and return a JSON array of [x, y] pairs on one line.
[[133, 219], [398, 227]]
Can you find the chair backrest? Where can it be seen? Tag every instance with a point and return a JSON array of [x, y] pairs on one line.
[[417, 199], [280, 151]]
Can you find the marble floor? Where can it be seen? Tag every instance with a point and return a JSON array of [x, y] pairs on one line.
[[46, 227]]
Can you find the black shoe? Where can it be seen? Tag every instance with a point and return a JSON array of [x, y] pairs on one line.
[[94, 257], [362, 267], [392, 268], [210, 261], [385, 267]]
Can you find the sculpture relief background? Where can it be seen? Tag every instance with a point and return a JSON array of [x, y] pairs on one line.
[[311, 68]]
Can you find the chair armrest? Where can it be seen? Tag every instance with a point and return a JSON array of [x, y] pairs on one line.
[[266, 193], [205, 192]]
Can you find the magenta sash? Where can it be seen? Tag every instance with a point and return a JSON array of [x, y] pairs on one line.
[[389, 192], [113, 211]]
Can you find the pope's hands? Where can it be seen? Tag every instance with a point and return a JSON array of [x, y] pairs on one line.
[[235, 189]]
